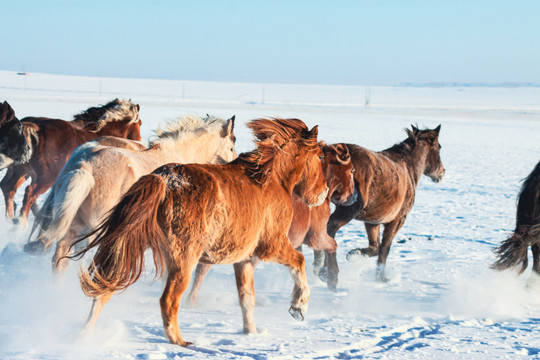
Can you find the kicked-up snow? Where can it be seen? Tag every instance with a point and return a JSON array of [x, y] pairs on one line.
[[442, 300]]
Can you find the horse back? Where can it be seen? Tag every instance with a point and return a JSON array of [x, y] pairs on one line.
[[218, 209]]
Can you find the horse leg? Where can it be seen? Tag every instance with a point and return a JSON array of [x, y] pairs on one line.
[[177, 283], [318, 262], [33, 191], [243, 272], [389, 232], [15, 176], [200, 273], [97, 305], [288, 256], [373, 233], [536, 258], [333, 270], [339, 218], [59, 260]]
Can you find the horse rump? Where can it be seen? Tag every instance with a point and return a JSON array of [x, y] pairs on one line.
[[122, 239]]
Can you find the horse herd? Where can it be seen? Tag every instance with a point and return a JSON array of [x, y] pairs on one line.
[[194, 202]]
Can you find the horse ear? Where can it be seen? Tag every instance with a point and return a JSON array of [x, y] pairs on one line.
[[228, 127], [93, 127], [343, 153], [314, 132], [7, 113], [437, 129], [138, 107], [415, 129]]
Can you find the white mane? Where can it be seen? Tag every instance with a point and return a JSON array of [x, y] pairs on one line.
[[187, 126]]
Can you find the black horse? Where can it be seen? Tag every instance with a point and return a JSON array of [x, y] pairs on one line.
[[512, 253], [14, 147]]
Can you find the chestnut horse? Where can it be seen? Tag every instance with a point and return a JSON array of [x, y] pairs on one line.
[[14, 148], [386, 182], [96, 176], [512, 253], [215, 214], [308, 224], [53, 141]]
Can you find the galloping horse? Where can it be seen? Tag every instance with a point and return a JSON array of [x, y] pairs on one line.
[[513, 251], [308, 224], [14, 148], [96, 176], [386, 182], [53, 141], [215, 214]]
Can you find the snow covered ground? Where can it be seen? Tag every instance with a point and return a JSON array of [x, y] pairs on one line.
[[443, 301]]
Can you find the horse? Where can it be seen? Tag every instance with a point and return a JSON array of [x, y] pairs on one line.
[[96, 176], [230, 213], [386, 182], [14, 148], [512, 253], [308, 224], [53, 141]]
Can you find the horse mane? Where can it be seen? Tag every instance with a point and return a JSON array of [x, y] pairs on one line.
[[115, 110], [271, 136], [414, 135], [185, 126]]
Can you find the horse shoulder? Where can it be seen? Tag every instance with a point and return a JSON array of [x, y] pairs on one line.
[[300, 221]]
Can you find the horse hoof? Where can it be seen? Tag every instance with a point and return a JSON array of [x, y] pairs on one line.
[[297, 313], [34, 247], [354, 253], [323, 274], [332, 286]]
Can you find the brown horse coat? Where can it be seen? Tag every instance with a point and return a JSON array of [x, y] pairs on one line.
[[231, 213], [308, 224], [386, 182], [53, 141]]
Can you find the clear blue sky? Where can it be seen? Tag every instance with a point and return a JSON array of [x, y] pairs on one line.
[[371, 42]]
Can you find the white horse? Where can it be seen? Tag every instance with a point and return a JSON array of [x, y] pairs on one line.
[[96, 176]]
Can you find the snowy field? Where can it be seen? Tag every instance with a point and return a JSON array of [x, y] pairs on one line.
[[443, 301]]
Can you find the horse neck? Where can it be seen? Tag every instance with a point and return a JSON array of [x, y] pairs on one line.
[[415, 161], [190, 149], [285, 170]]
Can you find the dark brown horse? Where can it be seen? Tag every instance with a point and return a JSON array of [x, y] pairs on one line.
[[14, 148], [53, 141], [308, 224], [386, 182], [512, 253], [215, 214]]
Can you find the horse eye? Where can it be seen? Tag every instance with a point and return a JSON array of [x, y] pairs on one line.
[[320, 157]]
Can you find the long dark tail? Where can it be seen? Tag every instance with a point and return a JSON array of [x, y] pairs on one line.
[[512, 253], [122, 238]]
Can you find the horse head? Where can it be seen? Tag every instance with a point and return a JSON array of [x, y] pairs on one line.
[[116, 118], [434, 167], [288, 152], [14, 147], [339, 170], [312, 187], [226, 151]]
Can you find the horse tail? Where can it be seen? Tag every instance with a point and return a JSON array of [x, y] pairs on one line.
[[512, 253], [122, 238], [61, 206]]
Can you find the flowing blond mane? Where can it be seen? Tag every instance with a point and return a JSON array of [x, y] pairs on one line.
[[189, 125]]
